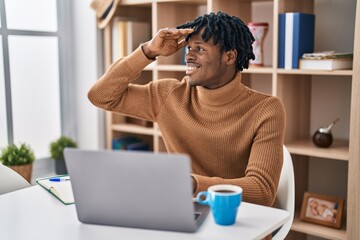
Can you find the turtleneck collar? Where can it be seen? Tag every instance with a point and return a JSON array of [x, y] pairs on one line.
[[222, 95]]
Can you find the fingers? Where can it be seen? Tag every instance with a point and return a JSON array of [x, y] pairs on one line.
[[182, 43], [167, 41], [173, 33]]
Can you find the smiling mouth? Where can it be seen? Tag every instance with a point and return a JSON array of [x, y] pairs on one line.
[[191, 69]]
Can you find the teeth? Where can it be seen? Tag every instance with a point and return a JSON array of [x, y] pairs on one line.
[[191, 68]]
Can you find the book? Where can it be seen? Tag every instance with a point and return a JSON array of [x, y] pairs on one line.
[[139, 146], [281, 41], [326, 64], [127, 35], [119, 40], [129, 143], [296, 37], [62, 190], [327, 55]]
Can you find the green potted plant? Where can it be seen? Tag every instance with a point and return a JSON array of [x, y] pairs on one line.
[[57, 152], [19, 158]]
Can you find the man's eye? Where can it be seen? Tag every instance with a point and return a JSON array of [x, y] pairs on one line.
[[197, 49], [200, 49]]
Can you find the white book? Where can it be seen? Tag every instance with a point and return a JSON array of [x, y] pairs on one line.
[[326, 64], [289, 32]]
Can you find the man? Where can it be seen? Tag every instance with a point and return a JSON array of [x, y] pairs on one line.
[[233, 134]]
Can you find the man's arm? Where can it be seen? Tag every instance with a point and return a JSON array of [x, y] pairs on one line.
[[110, 89]]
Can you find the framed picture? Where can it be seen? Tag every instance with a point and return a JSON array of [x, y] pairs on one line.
[[322, 209]]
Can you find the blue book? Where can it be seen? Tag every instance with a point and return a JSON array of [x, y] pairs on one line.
[[140, 146], [122, 142], [296, 37], [281, 41], [129, 143]]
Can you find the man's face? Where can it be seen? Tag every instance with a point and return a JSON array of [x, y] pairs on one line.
[[206, 66]]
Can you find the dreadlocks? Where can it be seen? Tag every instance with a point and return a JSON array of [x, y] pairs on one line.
[[229, 30]]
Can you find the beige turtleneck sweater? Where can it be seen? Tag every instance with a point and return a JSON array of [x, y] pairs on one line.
[[233, 134]]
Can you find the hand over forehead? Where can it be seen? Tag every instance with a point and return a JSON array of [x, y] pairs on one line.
[[173, 33]]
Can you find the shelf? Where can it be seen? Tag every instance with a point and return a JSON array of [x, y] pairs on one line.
[[136, 2], [265, 70], [180, 68], [150, 67], [149, 2], [192, 2], [171, 67], [260, 70], [315, 72], [295, 87], [317, 230], [339, 150], [132, 128]]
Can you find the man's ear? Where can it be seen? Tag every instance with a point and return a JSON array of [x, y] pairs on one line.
[[231, 56]]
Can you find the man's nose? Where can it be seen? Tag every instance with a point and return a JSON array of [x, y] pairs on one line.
[[189, 55]]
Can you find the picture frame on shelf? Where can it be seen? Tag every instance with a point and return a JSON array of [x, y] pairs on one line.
[[322, 209]]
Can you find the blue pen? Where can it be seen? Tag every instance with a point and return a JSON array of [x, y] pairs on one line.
[[59, 179]]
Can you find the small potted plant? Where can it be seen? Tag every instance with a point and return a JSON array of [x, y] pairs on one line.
[[57, 152], [19, 158]]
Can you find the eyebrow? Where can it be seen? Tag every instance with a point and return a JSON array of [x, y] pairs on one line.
[[198, 42]]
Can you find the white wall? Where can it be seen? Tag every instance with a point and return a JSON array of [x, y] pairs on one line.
[[85, 70]]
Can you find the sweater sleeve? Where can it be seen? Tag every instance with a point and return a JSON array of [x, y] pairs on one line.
[[115, 90], [266, 157]]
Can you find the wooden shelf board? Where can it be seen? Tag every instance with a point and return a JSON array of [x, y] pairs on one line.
[[196, 2], [318, 230], [260, 70], [171, 67], [150, 67], [135, 2], [315, 72], [148, 2], [339, 150], [133, 128], [174, 67]]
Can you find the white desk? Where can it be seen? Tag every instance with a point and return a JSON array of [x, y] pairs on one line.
[[33, 213]]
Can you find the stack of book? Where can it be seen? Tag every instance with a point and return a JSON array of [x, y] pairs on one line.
[[328, 60]]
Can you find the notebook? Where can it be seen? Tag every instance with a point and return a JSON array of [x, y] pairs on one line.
[[62, 190], [134, 189]]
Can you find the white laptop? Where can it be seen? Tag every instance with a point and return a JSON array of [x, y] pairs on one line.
[[134, 189]]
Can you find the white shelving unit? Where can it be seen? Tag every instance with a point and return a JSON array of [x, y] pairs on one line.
[[292, 86]]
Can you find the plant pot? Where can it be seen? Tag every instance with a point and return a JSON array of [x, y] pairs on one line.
[[60, 166], [24, 170]]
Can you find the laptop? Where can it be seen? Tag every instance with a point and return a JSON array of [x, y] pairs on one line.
[[134, 189]]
